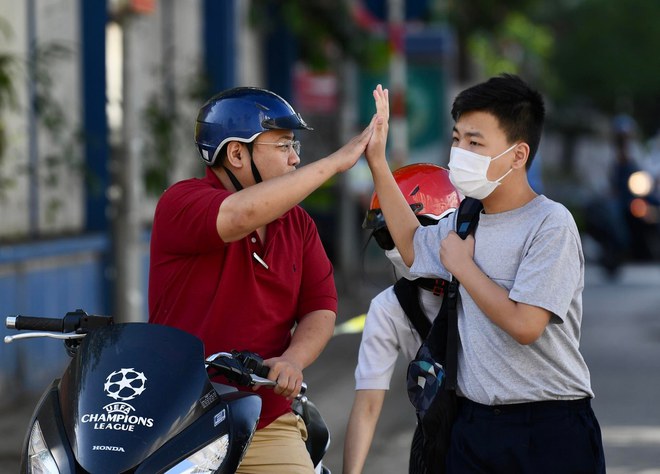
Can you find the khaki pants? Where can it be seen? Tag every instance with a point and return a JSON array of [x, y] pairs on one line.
[[278, 448]]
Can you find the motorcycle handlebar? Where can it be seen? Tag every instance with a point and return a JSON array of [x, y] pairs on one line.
[[263, 382], [74, 321], [254, 363], [244, 368], [35, 323]]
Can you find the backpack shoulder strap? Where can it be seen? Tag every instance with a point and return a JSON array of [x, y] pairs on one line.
[[467, 219], [407, 292], [467, 216]]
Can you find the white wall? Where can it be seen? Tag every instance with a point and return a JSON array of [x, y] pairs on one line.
[[14, 196], [61, 187], [58, 177]]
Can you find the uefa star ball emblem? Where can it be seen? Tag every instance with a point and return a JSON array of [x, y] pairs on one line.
[[125, 384]]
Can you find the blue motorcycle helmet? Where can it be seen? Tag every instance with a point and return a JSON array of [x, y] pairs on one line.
[[241, 114]]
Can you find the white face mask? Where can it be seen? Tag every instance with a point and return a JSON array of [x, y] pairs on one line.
[[401, 269], [468, 172]]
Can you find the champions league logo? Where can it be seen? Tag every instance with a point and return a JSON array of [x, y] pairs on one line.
[[125, 384], [121, 385]]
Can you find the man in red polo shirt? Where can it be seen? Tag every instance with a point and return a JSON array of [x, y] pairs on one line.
[[236, 262]]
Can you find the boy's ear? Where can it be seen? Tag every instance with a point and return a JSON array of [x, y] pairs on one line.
[[520, 155], [234, 158]]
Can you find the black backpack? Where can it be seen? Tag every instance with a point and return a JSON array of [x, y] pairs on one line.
[[431, 377]]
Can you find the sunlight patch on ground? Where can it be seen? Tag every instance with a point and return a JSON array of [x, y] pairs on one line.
[[621, 436], [644, 438], [627, 470], [354, 325]]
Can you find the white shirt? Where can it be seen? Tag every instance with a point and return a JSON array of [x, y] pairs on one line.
[[388, 332]]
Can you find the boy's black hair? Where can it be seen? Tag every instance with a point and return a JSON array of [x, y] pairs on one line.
[[518, 108]]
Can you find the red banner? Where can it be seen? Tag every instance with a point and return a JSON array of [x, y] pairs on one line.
[[142, 6]]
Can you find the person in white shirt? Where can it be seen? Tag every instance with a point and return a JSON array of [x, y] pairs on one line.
[[388, 330]]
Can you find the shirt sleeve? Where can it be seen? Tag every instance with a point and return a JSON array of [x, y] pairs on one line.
[[549, 275], [379, 347], [426, 243], [185, 218]]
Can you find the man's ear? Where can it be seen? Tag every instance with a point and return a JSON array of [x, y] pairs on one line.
[[234, 150], [520, 155]]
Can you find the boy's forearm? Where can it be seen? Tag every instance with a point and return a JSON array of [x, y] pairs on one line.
[[522, 322], [401, 220], [361, 427]]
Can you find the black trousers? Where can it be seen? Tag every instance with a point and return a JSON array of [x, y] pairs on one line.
[[553, 437]]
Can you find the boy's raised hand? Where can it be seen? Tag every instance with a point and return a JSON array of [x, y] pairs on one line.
[[375, 151]]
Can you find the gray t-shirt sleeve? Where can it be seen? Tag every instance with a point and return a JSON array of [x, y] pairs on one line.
[[426, 242], [550, 271]]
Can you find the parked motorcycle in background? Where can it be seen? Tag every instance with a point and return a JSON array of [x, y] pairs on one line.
[[139, 398]]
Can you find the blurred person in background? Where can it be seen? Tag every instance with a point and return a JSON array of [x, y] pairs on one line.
[[625, 220], [389, 329], [238, 263], [625, 165]]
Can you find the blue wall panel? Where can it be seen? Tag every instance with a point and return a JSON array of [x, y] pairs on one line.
[[46, 279]]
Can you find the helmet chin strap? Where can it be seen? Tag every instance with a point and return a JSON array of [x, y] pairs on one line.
[[255, 172], [234, 180]]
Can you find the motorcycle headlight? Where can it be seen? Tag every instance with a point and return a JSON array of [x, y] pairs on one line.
[[206, 460], [40, 459], [640, 183]]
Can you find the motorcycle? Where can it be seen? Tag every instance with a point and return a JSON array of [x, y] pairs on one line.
[[139, 398], [626, 227]]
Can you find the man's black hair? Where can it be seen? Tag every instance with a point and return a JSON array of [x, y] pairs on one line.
[[518, 108]]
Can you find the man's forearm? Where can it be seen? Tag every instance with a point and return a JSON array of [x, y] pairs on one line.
[[260, 204], [310, 337]]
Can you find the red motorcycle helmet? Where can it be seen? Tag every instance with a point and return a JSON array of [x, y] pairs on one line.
[[427, 189]]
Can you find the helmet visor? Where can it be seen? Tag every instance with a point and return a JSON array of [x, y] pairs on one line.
[[375, 220], [383, 238], [290, 122]]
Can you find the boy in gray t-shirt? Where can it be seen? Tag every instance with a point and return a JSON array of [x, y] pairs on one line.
[[523, 386]]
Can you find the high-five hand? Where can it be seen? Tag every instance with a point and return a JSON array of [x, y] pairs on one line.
[[349, 154], [376, 147]]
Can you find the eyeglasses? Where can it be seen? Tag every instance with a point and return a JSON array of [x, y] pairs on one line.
[[286, 146]]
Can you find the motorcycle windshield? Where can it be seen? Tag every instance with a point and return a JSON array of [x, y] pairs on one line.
[[129, 389]]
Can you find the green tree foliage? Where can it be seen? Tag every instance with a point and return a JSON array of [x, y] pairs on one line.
[[481, 32], [607, 54], [325, 31], [517, 45]]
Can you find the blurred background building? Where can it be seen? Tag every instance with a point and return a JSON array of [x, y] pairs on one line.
[[98, 101]]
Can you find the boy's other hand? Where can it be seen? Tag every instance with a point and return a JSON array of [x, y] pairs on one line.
[[456, 252]]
